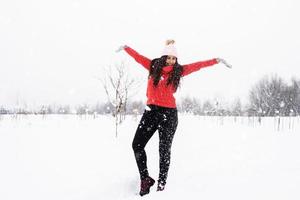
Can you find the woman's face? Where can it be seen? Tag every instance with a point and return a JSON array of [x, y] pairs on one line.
[[171, 60]]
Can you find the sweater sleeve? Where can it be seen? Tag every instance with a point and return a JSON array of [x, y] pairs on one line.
[[193, 67], [145, 62]]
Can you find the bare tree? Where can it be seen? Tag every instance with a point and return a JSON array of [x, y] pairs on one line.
[[190, 105], [119, 87], [208, 108], [267, 97], [292, 98], [236, 109]]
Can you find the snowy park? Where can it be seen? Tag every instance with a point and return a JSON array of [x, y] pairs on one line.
[[70, 157], [77, 77]]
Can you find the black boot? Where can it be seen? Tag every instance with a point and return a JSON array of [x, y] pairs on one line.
[[160, 186], [146, 184]]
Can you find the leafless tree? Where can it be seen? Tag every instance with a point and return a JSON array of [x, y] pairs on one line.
[[267, 96], [190, 105], [236, 109], [292, 98], [208, 108], [119, 86]]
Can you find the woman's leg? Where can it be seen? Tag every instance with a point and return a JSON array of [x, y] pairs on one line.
[[167, 129], [146, 128]]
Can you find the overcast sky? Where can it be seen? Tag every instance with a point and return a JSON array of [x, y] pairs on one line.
[[51, 51]]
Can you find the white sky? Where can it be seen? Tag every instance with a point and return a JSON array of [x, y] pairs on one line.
[[51, 51]]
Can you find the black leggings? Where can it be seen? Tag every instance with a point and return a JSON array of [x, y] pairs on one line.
[[165, 121]]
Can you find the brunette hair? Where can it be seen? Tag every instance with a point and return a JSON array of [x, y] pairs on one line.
[[156, 67]]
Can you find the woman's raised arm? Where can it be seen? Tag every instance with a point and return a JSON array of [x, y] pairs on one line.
[[144, 61]]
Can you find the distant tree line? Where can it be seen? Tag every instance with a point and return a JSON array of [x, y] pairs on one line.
[[134, 107], [270, 96]]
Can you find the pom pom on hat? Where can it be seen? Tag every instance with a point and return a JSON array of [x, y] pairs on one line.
[[168, 42], [170, 49]]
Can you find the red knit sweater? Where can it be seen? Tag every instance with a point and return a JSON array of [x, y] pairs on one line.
[[162, 94]]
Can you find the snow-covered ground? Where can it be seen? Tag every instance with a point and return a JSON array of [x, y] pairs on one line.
[[72, 158]]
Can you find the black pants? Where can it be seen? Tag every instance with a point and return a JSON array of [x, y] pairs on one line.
[[165, 121]]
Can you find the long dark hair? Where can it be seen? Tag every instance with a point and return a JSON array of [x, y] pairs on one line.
[[157, 65]]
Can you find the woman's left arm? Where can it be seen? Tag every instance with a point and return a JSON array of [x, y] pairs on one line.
[[193, 67]]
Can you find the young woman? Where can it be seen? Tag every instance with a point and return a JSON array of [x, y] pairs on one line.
[[160, 113]]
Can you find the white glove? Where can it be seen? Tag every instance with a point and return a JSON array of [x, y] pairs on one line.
[[221, 60], [122, 47]]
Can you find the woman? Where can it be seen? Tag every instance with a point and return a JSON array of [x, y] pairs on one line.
[[160, 113]]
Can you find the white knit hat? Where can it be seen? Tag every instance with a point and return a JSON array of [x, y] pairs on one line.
[[170, 49]]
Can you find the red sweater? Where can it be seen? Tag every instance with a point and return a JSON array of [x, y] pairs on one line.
[[162, 94]]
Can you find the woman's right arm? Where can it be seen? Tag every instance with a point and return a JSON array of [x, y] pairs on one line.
[[144, 61]]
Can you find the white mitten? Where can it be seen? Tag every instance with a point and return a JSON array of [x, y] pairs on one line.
[[221, 60], [122, 47]]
